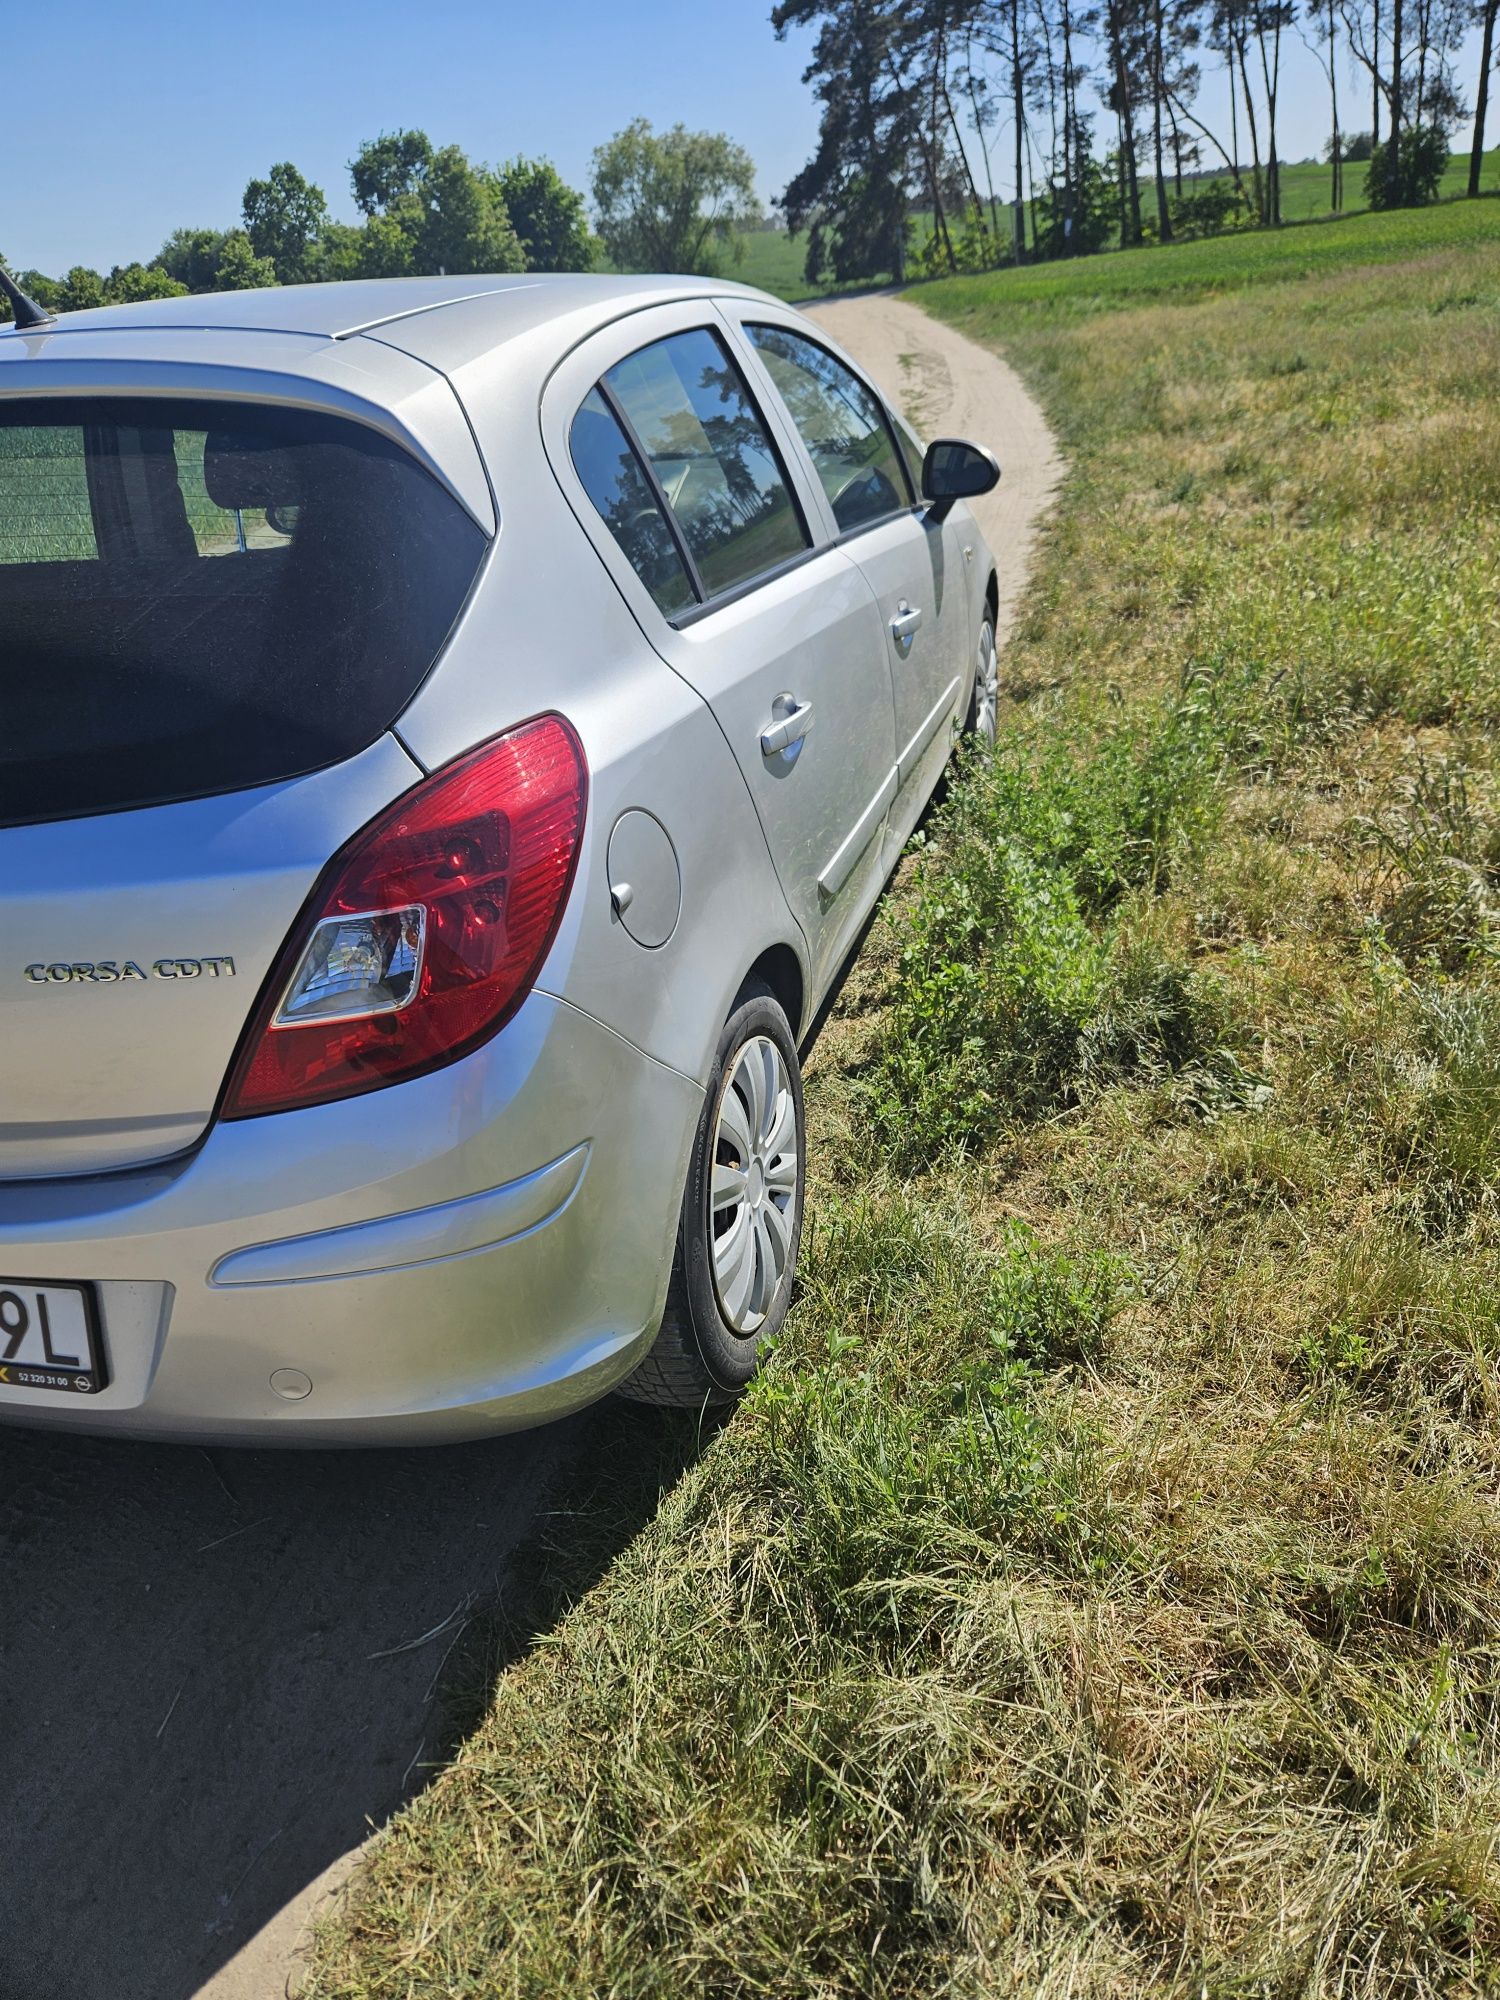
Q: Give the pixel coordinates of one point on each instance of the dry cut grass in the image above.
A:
(1098, 1595)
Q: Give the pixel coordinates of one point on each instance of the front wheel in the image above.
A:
(741, 1221)
(984, 704)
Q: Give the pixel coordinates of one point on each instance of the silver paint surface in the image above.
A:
(113, 1169)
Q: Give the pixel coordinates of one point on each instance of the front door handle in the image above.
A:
(904, 626)
(793, 720)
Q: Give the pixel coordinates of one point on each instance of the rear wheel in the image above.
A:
(741, 1221)
(984, 704)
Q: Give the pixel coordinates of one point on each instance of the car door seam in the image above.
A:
(841, 867)
(634, 613)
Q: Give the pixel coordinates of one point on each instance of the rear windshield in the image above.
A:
(196, 597)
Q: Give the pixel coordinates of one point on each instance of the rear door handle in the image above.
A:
(904, 624)
(791, 725)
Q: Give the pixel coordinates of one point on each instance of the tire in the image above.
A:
(726, 1301)
(983, 720)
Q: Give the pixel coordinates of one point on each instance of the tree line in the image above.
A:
(1101, 104)
(1098, 101)
(668, 201)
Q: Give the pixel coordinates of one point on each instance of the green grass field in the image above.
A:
(1306, 184)
(1230, 263)
(775, 259)
(1099, 1595)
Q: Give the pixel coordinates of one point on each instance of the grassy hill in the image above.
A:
(1239, 261)
(1099, 1595)
(1305, 184)
(776, 259)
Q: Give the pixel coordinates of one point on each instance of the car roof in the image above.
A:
(379, 350)
(508, 306)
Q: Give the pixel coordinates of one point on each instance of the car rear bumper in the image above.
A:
(474, 1251)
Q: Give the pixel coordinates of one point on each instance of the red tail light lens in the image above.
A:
(426, 932)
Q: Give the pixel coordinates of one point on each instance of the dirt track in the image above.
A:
(208, 1681)
(949, 387)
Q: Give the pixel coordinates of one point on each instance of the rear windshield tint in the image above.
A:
(197, 597)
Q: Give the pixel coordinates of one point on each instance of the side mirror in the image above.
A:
(954, 469)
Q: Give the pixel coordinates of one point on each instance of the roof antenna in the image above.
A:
(28, 314)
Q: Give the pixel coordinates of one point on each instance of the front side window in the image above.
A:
(197, 597)
(912, 454)
(842, 424)
(710, 458)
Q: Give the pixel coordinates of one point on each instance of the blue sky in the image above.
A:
(124, 120)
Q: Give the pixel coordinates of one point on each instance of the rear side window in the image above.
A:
(219, 530)
(711, 467)
(841, 422)
(44, 495)
(616, 482)
(198, 597)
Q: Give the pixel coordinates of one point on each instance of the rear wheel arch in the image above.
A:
(779, 969)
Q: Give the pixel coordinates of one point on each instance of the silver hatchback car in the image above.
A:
(451, 736)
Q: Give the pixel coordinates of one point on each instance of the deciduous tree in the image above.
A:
(672, 201)
(386, 168)
(81, 289)
(37, 285)
(1408, 169)
(464, 225)
(547, 215)
(429, 211)
(128, 284)
(284, 215)
(240, 270)
(193, 257)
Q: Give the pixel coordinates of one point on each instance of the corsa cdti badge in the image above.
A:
(109, 971)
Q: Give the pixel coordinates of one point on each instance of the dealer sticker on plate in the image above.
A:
(49, 1338)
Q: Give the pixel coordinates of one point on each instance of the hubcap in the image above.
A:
(753, 1199)
(987, 687)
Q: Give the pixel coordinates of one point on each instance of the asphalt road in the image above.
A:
(209, 1689)
(219, 1669)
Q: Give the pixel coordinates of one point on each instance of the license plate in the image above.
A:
(49, 1338)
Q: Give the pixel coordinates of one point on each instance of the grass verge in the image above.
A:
(1097, 1596)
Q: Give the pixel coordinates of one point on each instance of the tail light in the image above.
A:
(426, 932)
